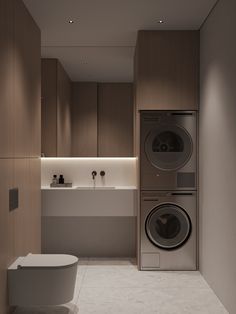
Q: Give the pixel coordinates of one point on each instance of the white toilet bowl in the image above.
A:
(42, 279)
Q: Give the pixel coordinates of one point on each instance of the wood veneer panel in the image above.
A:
(20, 135)
(84, 119)
(22, 214)
(6, 77)
(167, 70)
(27, 228)
(63, 113)
(7, 254)
(115, 120)
(49, 107)
(26, 83)
(35, 204)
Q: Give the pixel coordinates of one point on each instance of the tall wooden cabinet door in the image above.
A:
(23, 232)
(63, 113)
(167, 70)
(27, 83)
(115, 120)
(6, 229)
(27, 229)
(6, 77)
(49, 107)
(84, 119)
(35, 204)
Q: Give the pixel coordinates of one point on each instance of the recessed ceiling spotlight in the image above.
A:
(71, 21)
(160, 21)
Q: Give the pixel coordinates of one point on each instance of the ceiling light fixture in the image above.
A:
(160, 21)
(71, 21)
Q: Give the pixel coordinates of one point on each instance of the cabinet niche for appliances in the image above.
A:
(56, 110)
(166, 70)
(102, 123)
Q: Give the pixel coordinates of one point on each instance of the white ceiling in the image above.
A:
(99, 45)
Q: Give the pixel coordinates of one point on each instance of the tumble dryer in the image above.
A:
(168, 150)
(168, 230)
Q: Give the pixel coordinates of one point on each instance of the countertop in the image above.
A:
(90, 188)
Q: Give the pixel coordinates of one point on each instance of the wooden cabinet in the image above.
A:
(56, 109)
(35, 203)
(115, 120)
(49, 107)
(167, 70)
(27, 89)
(6, 229)
(27, 224)
(19, 82)
(6, 78)
(102, 123)
(84, 119)
(22, 214)
(63, 113)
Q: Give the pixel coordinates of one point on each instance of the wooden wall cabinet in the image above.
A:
(102, 123)
(115, 120)
(6, 77)
(84, 119)
(27, 85)
(167, 70)
(56, 109)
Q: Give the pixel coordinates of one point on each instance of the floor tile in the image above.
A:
(120, 277)
(111, 262)
(115, 286)
(146, 300)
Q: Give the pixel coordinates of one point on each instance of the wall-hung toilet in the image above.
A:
(42, 280)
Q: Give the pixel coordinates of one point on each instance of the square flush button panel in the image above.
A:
(13, 199)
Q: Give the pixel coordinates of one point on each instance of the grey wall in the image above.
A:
(218, 152)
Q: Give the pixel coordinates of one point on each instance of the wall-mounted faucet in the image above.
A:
(94, 173)
(102, 173)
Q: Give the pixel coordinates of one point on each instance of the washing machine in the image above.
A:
(168, 150)
(168, 230)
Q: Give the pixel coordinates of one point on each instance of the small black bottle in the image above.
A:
(61, 179)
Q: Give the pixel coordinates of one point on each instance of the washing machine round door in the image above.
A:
(168, 226)
(168, 147)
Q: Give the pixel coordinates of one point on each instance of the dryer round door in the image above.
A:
(168, 147)
(168, 226)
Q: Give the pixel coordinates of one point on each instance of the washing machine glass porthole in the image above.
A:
(168, 226)
(168, 147)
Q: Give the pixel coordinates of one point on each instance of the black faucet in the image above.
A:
(102, 173)
(94, 173)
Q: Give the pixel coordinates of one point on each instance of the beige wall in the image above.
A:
(218, 152)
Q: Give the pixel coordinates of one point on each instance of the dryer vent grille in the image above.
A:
(186, 180)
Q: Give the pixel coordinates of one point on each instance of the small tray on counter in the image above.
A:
(61, 185)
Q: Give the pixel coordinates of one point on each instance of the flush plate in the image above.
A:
(13, 199)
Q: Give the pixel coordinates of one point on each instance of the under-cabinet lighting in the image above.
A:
(88, 158)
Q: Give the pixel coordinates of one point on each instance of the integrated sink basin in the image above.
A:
(95, 188)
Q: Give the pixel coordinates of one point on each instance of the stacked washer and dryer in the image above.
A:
(168, 179)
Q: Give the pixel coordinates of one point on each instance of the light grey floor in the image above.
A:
(111, 286)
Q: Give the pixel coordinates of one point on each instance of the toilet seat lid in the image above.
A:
(47, 261)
